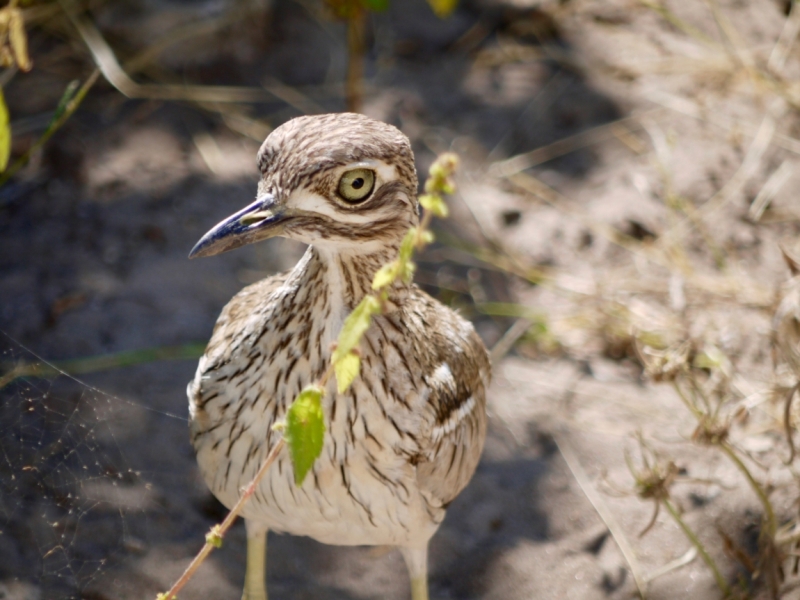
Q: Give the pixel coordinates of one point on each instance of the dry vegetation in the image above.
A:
(648, 320)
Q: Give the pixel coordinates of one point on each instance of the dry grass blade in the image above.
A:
(777, 59)
(571, 458)
(673, 565)
(686, 107)
(748, 167)
(734, 41)
(676, 21)
(787, 421)
(521, 162)
(539, 189)
(770, 189)
(107, 63)
(510, 337)
(181, 34)
(293, 97)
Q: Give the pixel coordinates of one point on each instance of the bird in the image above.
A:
(406, 437)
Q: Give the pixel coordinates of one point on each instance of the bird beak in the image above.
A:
(263, 219)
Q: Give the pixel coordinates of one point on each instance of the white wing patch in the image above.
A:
(439, 431)
(442, 377)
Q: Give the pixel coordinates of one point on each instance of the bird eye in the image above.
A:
(356, 185)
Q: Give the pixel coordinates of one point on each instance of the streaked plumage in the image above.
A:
(405, 439)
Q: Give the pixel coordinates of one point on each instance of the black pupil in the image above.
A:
(358, 183)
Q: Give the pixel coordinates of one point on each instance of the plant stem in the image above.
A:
(354, 87)
(92, 364)
(225, 525)
(54, 126)
(769, 514)
(721, 583)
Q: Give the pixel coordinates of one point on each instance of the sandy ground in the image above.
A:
(100, 497)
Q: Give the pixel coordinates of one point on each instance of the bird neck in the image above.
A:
(349, 275)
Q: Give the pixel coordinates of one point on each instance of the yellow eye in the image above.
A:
(356, 185)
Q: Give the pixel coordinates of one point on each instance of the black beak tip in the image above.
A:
(195, 252)
(198, 250)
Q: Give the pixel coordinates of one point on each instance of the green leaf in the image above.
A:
(434, 203)
(5, 134)
(356, 323)
(346, 369)
(376, 5)
(407, 245)
(385, 275)
(443, 8)
(305, 430)
(408, 271)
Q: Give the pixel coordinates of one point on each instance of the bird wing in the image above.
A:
(451, 447)
(227, 337)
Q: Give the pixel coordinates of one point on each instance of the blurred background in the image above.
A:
(626, 196)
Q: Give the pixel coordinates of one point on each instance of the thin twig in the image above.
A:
(220, 531)
(355, 60)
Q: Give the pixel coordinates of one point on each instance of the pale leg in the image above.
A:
(417, 563)
(255, 574)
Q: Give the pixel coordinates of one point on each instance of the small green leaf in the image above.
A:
(346, 369)
(408, 271)
(305, 430)
(385, 275)
(5, 134)
(443, 8)
(434, 203)
(407, 245)
(214, 537)
(66, 97)
(356, 323)
(376, 5)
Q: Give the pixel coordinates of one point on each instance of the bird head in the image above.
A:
(341, 181)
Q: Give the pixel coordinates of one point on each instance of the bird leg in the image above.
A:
(417, 563)
(255, 574)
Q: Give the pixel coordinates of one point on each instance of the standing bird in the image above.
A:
(405, 438)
